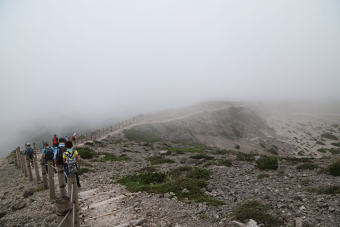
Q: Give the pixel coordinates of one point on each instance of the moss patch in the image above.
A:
(258, 212)
(334, 168)
(192, 179)
(202, 156)
(307, 166)
(159, 160)
(329, 136)
(331, 189)
(245, 157)
(267, 162)
(86, 152)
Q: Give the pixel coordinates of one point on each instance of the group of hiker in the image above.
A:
(60, 153)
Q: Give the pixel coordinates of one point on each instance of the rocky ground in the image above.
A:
(300, 192)
(285, 191)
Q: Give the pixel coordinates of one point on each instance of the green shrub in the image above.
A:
(224, 162)
(323, 150)
(86, 152)
(295, 160)
(202, 156)
(334, 151)
(159, 160)
(272, 151)
(330, 136)
(308, 165)
(245, 157)
(192, 179)
(336, 144)
(334, 168)
(148, 169)
(258, 212)
(320, 143)
(331, 189)
(267, 162)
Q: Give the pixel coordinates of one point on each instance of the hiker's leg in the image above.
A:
(78, 180)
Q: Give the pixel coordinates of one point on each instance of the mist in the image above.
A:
(83, 64)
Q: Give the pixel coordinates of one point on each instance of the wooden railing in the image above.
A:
(67, 201)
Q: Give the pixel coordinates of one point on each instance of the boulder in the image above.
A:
(250, 223)
(28, 192)
(164, 152)
(19, 205)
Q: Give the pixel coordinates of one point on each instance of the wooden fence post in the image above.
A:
(61, 180)
(28, 162)
(23, 162)
(51, 180)
(36, 168)
(63, 206)
(17, 150)
(43, 173)
(75, 201)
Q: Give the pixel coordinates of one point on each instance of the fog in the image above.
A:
(69, 64)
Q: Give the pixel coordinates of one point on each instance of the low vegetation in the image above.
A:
(137, 135)
(202, 156)
(336, 144)
(273, 151)
(333, 151)
(86, 152)
(224, 152)
(258, 212)
(112, 157)
(330, 189)
(334, 168)
(184, 182)
(182, 150)
(330, 136)
(245, 157)
(155, 160)
(267, 162)
(224, 162)
(295, 160)
(307, 166)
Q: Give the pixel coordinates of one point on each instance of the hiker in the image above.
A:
(58, 152)
(47, 155)
(71, 162)
(55, 140)
(29, 152)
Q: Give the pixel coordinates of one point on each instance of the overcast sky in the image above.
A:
(94, 59)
